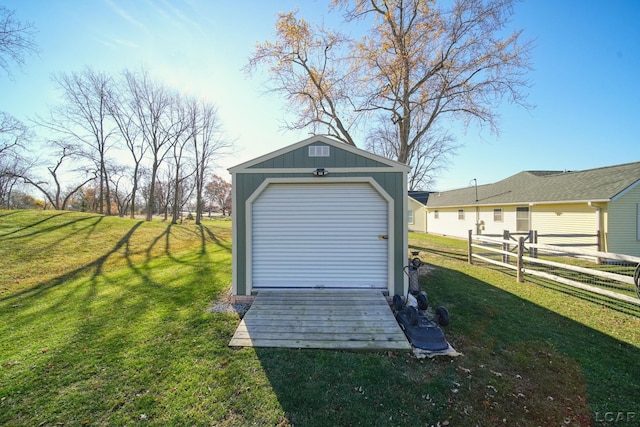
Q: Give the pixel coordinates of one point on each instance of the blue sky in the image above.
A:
(586, 85)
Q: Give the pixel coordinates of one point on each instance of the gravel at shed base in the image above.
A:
(224, 307)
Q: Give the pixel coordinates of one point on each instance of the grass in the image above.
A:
(104, 321)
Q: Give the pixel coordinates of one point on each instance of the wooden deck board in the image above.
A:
(329, 319)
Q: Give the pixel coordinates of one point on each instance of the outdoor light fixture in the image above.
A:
(320, 172)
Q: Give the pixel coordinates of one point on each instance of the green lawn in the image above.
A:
(104, 321)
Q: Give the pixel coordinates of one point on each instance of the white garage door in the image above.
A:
(320, 235)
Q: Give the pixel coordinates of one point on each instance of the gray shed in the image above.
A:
(319, 214)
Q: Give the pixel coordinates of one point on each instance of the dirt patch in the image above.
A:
(425, 270)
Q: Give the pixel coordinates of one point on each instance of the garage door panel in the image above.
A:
(325, 235)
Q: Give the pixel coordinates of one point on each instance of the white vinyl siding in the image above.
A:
(449, 224)
(566, 224)
(416, 216)
(320, 235)
(623, 223)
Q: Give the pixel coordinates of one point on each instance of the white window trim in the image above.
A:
(501, 213)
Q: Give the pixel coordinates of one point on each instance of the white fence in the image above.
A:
(610, 272)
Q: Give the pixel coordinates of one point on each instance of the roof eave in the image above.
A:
(546, 202)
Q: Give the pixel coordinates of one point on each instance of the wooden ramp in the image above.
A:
(313, 318)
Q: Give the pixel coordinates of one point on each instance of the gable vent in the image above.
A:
(318, 151)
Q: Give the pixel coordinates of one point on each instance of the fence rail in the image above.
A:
(610, 273)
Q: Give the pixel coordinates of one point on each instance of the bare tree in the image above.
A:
(13, 134)
(418, 65)
(208, 141)
(122, 107)
(182, 167)
(152, 103)
(53, 192)
(16, 39)
(11, 168)
(121, 192)
(83, 117)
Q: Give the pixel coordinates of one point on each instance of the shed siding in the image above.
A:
(623, 216)
(299, 158)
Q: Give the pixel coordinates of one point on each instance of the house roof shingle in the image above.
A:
(545, 186)
(420, 196)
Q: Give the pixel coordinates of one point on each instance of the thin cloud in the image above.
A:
(116, 43)
(126, 16)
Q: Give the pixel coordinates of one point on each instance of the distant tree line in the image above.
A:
(119, 145)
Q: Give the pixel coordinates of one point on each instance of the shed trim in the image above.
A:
(330, 170)
(338, 180)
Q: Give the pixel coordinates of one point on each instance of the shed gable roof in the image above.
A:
(341, 156)
(601, 184)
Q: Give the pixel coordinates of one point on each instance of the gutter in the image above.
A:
(555, 202)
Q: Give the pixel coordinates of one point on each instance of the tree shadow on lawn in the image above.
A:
(96, 347)
(521, 363)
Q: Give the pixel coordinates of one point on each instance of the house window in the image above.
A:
(410, 216)
(638, 227)
(436, 214)
(318, 151)
(497, 215)
(461, 214)
(522, 218)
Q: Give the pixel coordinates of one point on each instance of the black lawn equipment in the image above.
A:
(422, 330)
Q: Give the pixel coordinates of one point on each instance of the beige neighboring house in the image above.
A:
(416, 213)
(587, 209)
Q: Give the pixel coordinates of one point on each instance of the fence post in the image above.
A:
(505, 246)
(520, 263)
(598, 246)
(534, 254)
(469, 248)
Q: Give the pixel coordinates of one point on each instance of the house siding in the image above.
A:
(448, 224)
(565, 224)
(574, 224)
(622, 231)
(419, 216)
(488, 226)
